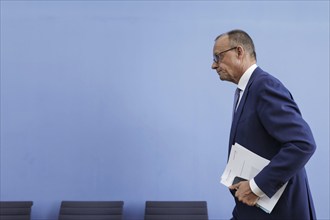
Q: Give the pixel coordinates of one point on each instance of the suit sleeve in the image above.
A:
(282, 120)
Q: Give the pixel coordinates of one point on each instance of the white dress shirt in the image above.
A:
(242, 85)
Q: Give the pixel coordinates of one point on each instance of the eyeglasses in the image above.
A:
(218, 57)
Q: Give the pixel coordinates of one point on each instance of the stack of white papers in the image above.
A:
(246, 164)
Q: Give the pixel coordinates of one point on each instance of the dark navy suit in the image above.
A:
(269, 123)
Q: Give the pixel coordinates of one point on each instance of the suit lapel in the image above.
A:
(240, 108)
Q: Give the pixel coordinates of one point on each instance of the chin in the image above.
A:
(222, 78)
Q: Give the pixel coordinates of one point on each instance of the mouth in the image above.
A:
(220, 74)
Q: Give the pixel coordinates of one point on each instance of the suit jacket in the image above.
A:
(269, 123)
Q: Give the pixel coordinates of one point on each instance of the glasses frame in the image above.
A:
(217, 58)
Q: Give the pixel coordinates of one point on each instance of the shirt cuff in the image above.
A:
(255, 189)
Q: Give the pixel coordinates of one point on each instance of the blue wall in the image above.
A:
(111, 100)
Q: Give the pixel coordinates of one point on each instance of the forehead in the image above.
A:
(221, 43)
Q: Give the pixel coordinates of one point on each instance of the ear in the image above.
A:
(240, 51)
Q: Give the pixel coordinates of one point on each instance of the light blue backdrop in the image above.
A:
(116, 100)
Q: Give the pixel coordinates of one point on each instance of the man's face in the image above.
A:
(226, 67)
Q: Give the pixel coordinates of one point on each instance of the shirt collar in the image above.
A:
(245, 77)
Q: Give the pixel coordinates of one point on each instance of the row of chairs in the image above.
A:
(110, 210)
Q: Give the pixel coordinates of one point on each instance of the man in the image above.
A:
(267, 121)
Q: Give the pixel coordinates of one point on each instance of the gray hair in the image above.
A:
(240, 37)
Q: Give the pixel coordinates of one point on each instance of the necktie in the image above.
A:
(236, 99)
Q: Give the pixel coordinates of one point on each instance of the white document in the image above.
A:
(246, 164)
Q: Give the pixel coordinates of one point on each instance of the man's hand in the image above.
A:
(244, 193)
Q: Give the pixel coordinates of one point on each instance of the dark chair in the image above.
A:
(91, 210)
(176, 210)
(15, 210)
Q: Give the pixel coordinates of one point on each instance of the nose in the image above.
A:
(214, 65)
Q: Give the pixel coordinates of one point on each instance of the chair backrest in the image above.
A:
(15, 210)
(91, 210)
(176, 210)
